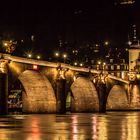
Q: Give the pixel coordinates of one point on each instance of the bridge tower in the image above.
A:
(134, 57)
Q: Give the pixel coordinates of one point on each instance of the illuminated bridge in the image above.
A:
(55, 87)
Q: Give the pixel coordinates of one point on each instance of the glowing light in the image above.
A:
(5, 44)
(35, 67)
(57, 54)
(75, 63)
(74, 78)
(127, 2)
(129, 42)
(99, 62)
(74, 128)
(106, 43)
(104, 63)
(81, 64)
(65, 55)
(94, 80)
(130, 122)
(30, 55)
(38, 57)
(94, 127)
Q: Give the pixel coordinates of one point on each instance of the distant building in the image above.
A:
(116, 67)
(134, 57)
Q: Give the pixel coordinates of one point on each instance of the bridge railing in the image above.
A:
(56, 65)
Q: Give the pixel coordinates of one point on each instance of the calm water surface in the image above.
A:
(96, 126)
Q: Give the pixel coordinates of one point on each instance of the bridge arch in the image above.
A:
(39, 96)
(117, 98)
(84, 96)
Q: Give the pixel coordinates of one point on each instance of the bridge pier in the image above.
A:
(134, 95)
(60, 95)
(102, 93)
(102, 97)
(3, 94)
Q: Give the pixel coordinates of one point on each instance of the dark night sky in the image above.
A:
(70, 20)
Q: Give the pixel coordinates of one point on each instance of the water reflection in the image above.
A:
(108, 126)
(74, 128)
(130, 127)
(35, 129)
(94, 127)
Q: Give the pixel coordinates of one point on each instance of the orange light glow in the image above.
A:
(35, 67)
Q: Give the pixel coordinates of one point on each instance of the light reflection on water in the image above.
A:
(108, 126)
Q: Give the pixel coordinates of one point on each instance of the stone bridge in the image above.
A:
(48, 87)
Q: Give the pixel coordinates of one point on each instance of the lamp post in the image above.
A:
(29, 55)
(56, 54)
(98, 66)
(101, 87)
(64, 57)
(106, 43)
(75, 63)
(104, 65)
(81, 64)
(38, 57)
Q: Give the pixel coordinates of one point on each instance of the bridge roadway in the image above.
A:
(43, 92)
(63, 65)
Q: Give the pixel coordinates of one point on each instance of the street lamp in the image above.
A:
(38, 57)
(101, 65)
(81, 64)
(106, 43)
(56, 54)
(104, 65)
(75, 63)
(64, 57)
(30, 55)
(99, 62)
(5, 44)
(129, 43)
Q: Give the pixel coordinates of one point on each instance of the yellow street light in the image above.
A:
(64, 56)
(81, 64)
(106, 43)
(57, 54)
(99, 62)
(30, 55)
(129, 42)
(5, 44)
(38, 57)
(75, 63)
(104, 63)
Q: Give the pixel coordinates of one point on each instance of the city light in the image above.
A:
(104, 63)
(29, 55)
(99, 62)
(5, 44)
(75, 63)
(57, 54)
(106, 43)
(35, 67)
(64, 55)
(129, 42)
(38, 57)
(81, 64)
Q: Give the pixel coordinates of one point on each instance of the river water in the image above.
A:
(71, 126)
